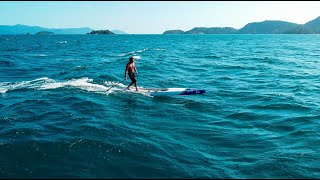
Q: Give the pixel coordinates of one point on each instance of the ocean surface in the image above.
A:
(259, 117)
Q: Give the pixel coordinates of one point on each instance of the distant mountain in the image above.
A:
(264, 27)
(23, 29)
(20, 29)
(101, 32)
(118, 32)
(212, 30)
(314, 25)
(174, 32)
(300, 29)
(204, 30)
(267, 27)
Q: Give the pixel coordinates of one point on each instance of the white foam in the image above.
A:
(112, 83)
(52, 85)
(34, 84)
(145, 49)
(129, 53)
(62, 42)
(136, 57)
(2, 90)
(39, 55)
(84, 84)
(133, 52)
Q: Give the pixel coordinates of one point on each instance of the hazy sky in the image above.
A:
(153, 17)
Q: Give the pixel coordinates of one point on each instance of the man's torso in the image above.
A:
(131, 67)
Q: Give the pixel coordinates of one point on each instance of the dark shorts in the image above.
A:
(132, 76)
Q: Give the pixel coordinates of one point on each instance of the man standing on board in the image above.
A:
(131, 67)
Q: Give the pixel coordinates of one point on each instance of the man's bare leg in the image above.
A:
(129, 86)
(135, 84)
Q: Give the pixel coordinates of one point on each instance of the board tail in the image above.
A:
(192, 91)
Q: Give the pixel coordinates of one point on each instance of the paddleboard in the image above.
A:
(167, 91)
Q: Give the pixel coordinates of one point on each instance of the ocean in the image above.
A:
(259, 117)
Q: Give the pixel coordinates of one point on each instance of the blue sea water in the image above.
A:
(259, 117)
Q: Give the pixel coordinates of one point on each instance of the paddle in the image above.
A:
(116, 84)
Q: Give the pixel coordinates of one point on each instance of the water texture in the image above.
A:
(259, 117)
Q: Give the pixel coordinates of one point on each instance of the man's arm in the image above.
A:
(125, 72)
(135, 69)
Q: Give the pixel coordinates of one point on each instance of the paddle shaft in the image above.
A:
(116, 84)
